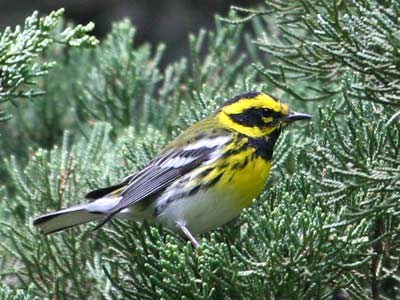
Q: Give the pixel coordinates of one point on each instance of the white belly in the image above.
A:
(200, 212)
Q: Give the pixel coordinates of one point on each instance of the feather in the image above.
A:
(64, 219)
(155, 178)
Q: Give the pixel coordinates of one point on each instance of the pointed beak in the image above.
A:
(295, 116)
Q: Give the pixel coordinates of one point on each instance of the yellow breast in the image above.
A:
(249, 182)
(244, 176)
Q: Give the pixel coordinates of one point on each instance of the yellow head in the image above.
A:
(256, 114)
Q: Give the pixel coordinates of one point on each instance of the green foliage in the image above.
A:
(53, 179)
(327, 225)
(355, 171)
(326, 41)
(19, 50)
(8, 294)
(26, 56)
(122, 81)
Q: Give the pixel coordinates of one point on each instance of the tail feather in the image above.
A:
(76, 215)
(65, 218)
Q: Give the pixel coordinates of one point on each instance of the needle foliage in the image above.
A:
(327, 225)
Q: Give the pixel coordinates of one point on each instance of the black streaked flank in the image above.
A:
(241, 96)
(213, 181)
(242, 164)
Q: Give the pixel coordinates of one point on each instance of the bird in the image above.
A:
(201, 180)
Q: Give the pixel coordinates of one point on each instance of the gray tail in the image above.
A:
(66, 218)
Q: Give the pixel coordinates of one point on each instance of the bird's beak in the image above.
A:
(295, 116)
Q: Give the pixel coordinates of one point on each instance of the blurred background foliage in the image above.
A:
(86, 113)
(167, 21)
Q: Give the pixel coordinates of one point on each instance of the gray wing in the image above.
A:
(161, 173)
(158, 175)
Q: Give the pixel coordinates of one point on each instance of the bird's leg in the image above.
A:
(189, 236)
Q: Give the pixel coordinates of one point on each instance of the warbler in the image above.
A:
(202, 180)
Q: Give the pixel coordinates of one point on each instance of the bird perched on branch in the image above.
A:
(201, 180)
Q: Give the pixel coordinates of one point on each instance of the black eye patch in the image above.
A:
(256, 117)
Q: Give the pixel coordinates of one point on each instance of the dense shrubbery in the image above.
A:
(327, 226)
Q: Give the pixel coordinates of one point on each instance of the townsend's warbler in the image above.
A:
(200, 181)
